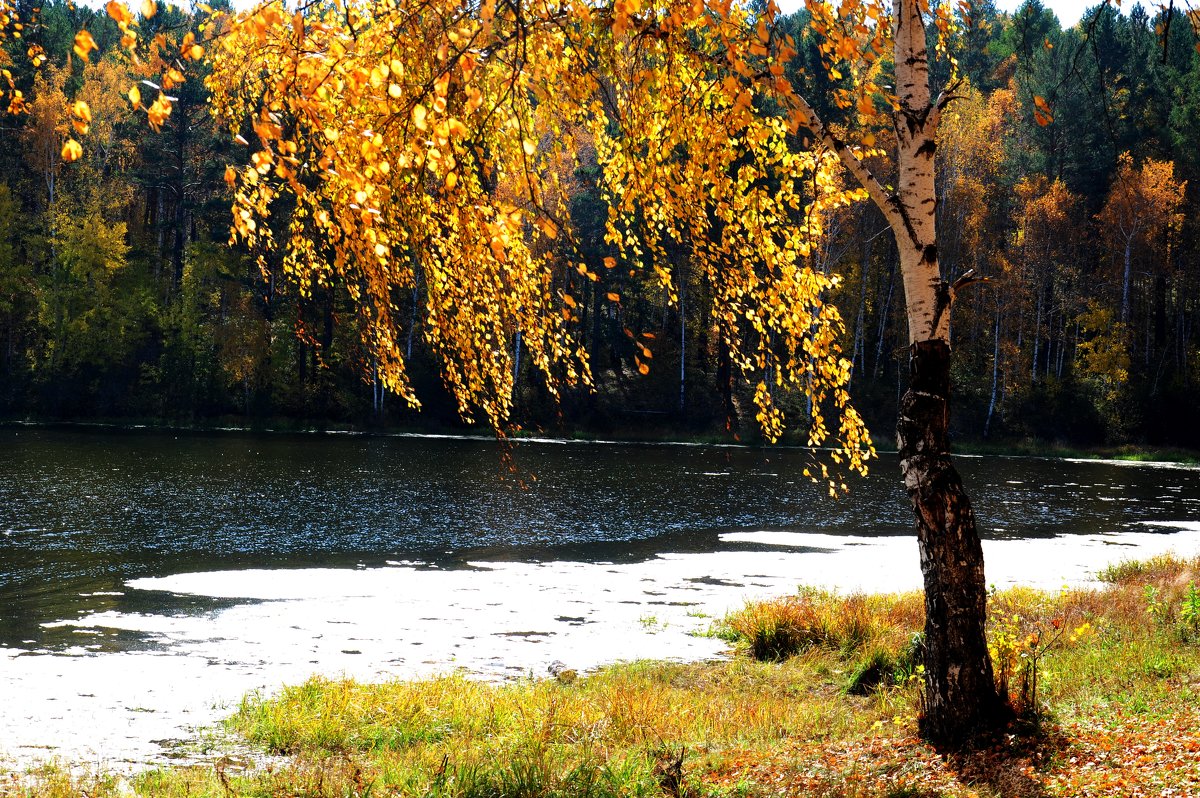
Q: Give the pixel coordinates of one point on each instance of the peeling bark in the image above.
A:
(960, 699)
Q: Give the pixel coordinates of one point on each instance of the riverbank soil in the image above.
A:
(820, 699)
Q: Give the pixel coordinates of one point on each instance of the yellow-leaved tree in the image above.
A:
(399, 131)
(391, 142)
(396, 141)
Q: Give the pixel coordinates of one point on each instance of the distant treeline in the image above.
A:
(1070, 179)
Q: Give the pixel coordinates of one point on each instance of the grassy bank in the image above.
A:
(820, 700)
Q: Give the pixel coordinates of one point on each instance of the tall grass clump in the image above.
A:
(872, 640)
(1161, 568)
(776, 629)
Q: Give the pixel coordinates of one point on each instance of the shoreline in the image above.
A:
(497, 621)
(1031, 449)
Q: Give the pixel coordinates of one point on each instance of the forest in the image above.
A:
(1067, 181)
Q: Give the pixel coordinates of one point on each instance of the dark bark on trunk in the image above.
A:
(960, 698)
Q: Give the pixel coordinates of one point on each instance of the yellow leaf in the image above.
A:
(230, 176)
(394, 91)
(194, 53)
(84, 44)
(149, 8)
(71, 151)
(119, 12)
(570, 300)
(613, 296)
(158, 112)
(135, 96)
(81, 110)
(610, 263)
(418, 116)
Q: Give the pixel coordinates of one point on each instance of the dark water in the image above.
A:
(83, 511)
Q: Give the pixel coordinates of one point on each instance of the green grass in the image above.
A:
(820, 699)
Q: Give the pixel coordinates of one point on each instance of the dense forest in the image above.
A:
(1068, 179)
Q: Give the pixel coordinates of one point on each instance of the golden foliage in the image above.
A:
(1144, 201)
(437, 148)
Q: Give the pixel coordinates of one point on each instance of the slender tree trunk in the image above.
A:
(883, 320)
(412, 326)
(1037, 337)
(516, 358)
(374, 387)
(1125, 279)
(960, 694)
(960, 699)
(858, 354)
(987, 425)
(594, 350)
(682, 339)
(158, 230)
(1062, 348)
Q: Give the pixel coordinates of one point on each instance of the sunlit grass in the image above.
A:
(819, 700)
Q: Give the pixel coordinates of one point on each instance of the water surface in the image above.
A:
(83, 512)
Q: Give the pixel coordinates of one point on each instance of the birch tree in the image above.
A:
(960, 697)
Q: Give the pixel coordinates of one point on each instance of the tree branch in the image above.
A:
(885, 201)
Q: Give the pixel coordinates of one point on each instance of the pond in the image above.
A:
(149, 578)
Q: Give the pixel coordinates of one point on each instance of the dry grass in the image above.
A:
(780, 628)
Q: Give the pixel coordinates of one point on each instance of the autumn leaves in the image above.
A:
(394, 145)
(161, 56)
(439, 149)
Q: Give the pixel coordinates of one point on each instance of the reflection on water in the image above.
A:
(83, 512)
